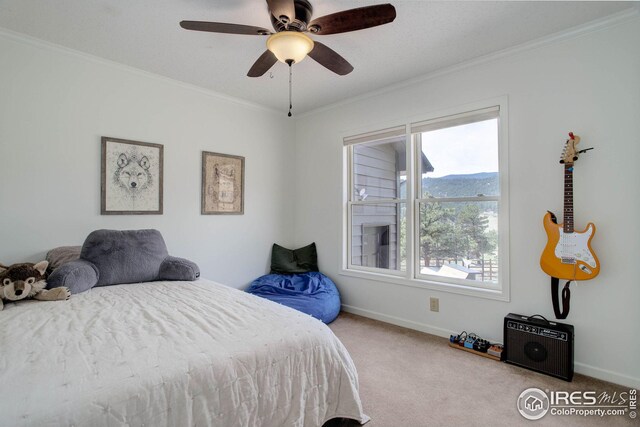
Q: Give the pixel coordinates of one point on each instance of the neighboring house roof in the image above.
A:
(453, 270)
(447, 271)
(401, 159)
(461, 268)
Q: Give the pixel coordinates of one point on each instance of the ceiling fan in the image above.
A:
(291, 19)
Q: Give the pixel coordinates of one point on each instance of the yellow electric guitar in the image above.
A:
(568, 254)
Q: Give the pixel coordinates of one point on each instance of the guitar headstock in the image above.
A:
(570, 153)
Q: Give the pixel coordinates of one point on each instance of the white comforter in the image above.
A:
(170, 354)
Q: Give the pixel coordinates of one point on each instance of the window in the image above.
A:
(426, 205)
(376, 208)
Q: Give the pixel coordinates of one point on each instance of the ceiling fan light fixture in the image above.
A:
(289, 46)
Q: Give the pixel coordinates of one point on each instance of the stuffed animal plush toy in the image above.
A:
(26, 280)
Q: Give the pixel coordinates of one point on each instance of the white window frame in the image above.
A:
(380, 136)
(411, 276)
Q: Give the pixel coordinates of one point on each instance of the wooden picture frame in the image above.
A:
(131, 177)
(222, 184)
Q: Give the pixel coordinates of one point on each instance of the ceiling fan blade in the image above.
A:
(353, 19)
(328, 58)
(280, 8)
(222, 27)
(262, 65)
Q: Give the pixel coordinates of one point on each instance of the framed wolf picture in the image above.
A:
(222, 184)
(131, 180)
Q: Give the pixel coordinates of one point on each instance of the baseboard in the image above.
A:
(606, 375)
(410, 324)
(580, 368)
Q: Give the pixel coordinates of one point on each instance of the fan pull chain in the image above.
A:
(290, 105)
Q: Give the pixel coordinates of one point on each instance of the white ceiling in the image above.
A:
(426, 36)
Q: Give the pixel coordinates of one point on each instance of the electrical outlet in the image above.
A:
(434, 304)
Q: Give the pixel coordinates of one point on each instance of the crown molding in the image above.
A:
(615, 19)
(43, 44)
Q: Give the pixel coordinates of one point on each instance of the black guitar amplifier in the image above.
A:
(539, 345)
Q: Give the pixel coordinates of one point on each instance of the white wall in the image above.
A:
(54, 107)
(589, 84)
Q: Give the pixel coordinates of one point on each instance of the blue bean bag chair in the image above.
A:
(312, 293)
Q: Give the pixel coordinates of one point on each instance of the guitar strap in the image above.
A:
(566, 296)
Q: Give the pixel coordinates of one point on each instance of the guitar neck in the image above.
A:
(567, 225)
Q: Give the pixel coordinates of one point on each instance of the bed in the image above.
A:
(171, 354)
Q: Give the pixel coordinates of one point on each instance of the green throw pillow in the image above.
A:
(290, 261)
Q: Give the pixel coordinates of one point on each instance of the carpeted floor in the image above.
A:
(412, 379)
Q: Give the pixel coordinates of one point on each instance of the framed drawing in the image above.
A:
(131, 178)
(222, 184)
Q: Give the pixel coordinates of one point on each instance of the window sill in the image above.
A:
(492, 294)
